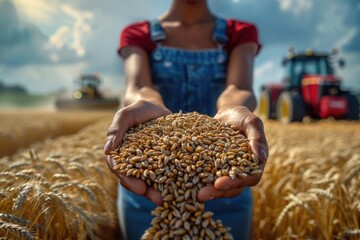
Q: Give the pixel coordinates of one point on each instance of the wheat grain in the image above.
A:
(76, 185)
(290, 206)
(18, 202)
(57, 163)
(178, 154)
(322, 192)
(354, 171)
(16, 230)
(18, 164)
(351, 233)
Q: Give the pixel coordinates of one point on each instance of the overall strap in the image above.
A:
(157, 33)
(220, 31)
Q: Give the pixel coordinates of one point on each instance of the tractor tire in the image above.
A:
(265, 110)
(290, 107)
(353, 107)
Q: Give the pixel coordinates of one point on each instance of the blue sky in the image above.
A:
(45, 44)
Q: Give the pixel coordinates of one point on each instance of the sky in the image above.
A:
(45, 45)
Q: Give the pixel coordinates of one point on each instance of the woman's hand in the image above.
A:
(252, 127)
(127, 117)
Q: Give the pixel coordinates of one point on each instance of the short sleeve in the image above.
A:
(240, 33)
(136, 34)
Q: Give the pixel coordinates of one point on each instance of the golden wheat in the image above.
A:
(317, 166)
(317, 163)
(47, 193)
(20, 129)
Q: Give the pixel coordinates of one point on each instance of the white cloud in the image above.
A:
(295, 6)
(79, 27)
(346, 38)
(60, 37)
(36, 11)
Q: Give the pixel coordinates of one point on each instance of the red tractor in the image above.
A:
(310, 88)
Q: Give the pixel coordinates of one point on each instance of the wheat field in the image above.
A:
(309, 189)
(20, 129)
(56, 185)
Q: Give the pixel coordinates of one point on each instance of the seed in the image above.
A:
(178, 154)
(190, 208)
(210, 233)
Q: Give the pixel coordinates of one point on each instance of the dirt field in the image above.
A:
(53, 179)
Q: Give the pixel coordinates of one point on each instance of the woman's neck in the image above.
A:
(188, 12)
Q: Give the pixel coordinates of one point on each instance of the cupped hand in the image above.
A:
(127, 117)
(250, 125)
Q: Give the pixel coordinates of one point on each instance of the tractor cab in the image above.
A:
(88, 87)
(299, 65)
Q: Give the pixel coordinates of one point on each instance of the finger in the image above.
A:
(210, 192)
(120, 124)
(113, 142)
(154, 196)
(253, 128)
(133, 184)
(108, 146)
(225, 183)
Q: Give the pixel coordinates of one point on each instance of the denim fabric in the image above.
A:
(134, 213)
(188, 81)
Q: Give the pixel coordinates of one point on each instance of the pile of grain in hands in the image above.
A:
(177, 155)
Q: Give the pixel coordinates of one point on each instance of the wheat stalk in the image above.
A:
(352, 174)
(57, 163)
(16, 230)
(33, 155)
(290, 206)
(322, 192)
(13, 219)
(351, 233)
(60, 176)
(18, 202)
(19, 164)
(77, 185)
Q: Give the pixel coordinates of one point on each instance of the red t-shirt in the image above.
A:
(137, 34)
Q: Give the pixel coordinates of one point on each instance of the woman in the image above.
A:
(189, 60)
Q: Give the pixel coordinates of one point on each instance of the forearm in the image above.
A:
(233, 96)
(147, 93)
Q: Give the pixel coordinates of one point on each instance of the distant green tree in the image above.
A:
(12, 88)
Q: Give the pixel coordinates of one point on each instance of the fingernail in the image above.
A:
(108, 144)
(225, 187)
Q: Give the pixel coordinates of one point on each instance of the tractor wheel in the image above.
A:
(353, 107)
(290, 107)
(265, 105)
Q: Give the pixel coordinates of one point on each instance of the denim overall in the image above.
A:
(188, 80)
